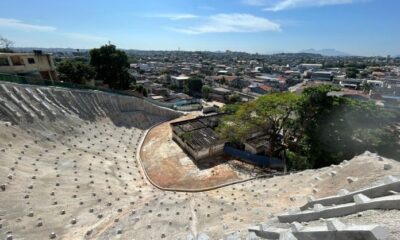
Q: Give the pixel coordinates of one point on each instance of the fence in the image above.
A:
(161, 104)
(184, 105)
(44, 82)
(258, 160)
(191, 107)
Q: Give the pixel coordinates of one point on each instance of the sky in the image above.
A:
(359, 27)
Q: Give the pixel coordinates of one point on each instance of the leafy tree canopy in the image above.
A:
(270, 114)
(111, 66)
(333, 129)
(205, 90)
(75, 71)
(351, 72)
(314, 129)
(195, 84)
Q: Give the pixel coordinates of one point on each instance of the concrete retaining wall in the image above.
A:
(362, 203)
(333, 230)
(28, 104)
(389, 184)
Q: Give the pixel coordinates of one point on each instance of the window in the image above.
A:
(4, 62)
(16, 60)
(31, 60)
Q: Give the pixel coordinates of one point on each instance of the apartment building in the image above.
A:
(34, 64)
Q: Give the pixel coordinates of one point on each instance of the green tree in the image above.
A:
(318, 130)
(364, 74)
(75, 71)
(205, 90)
(231, 108)
(195, 84)
(234, 98)
(132, 59)
(140, 89)
(270, 114)
(172, 87)
(111, 66)
(223, 80)
(186, 89)
(351, 72)
(335, 128)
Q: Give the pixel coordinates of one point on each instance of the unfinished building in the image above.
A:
(198, 136)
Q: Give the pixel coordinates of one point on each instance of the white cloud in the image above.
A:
(19, 25)
(221, 23)
(85, 37)
(289, 4)
(175, 16)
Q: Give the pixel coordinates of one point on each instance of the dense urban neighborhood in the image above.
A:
(170, 77)
(200, 120)
(232, 83)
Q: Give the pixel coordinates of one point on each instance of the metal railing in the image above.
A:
(43, 82)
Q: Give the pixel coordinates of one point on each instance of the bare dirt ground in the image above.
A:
(170, 167)
(79, 178)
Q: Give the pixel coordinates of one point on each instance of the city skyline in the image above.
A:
(357, 27)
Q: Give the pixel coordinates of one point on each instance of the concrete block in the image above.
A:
(252, 236)
(390, 179)
(390, 183)
(287, 236)
(333, 230)
(360, 199)
(310, 199)
(296, 227)
(362, 204)
(318, 208)
(380, 232)
(343, 192)
(356, 232)
(335, 225)
(267, 232)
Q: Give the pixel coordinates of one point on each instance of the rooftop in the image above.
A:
(199, 132)
(181, 77)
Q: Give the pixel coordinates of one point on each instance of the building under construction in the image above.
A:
(198, 137)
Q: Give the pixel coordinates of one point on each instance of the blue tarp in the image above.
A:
(187, 102)
(258, 160)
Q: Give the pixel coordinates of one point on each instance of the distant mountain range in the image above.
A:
(326, 52)
(329, 52)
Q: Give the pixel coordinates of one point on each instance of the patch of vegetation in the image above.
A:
(314, 129)
(75, 71)
(111, 66)
(186, 136)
